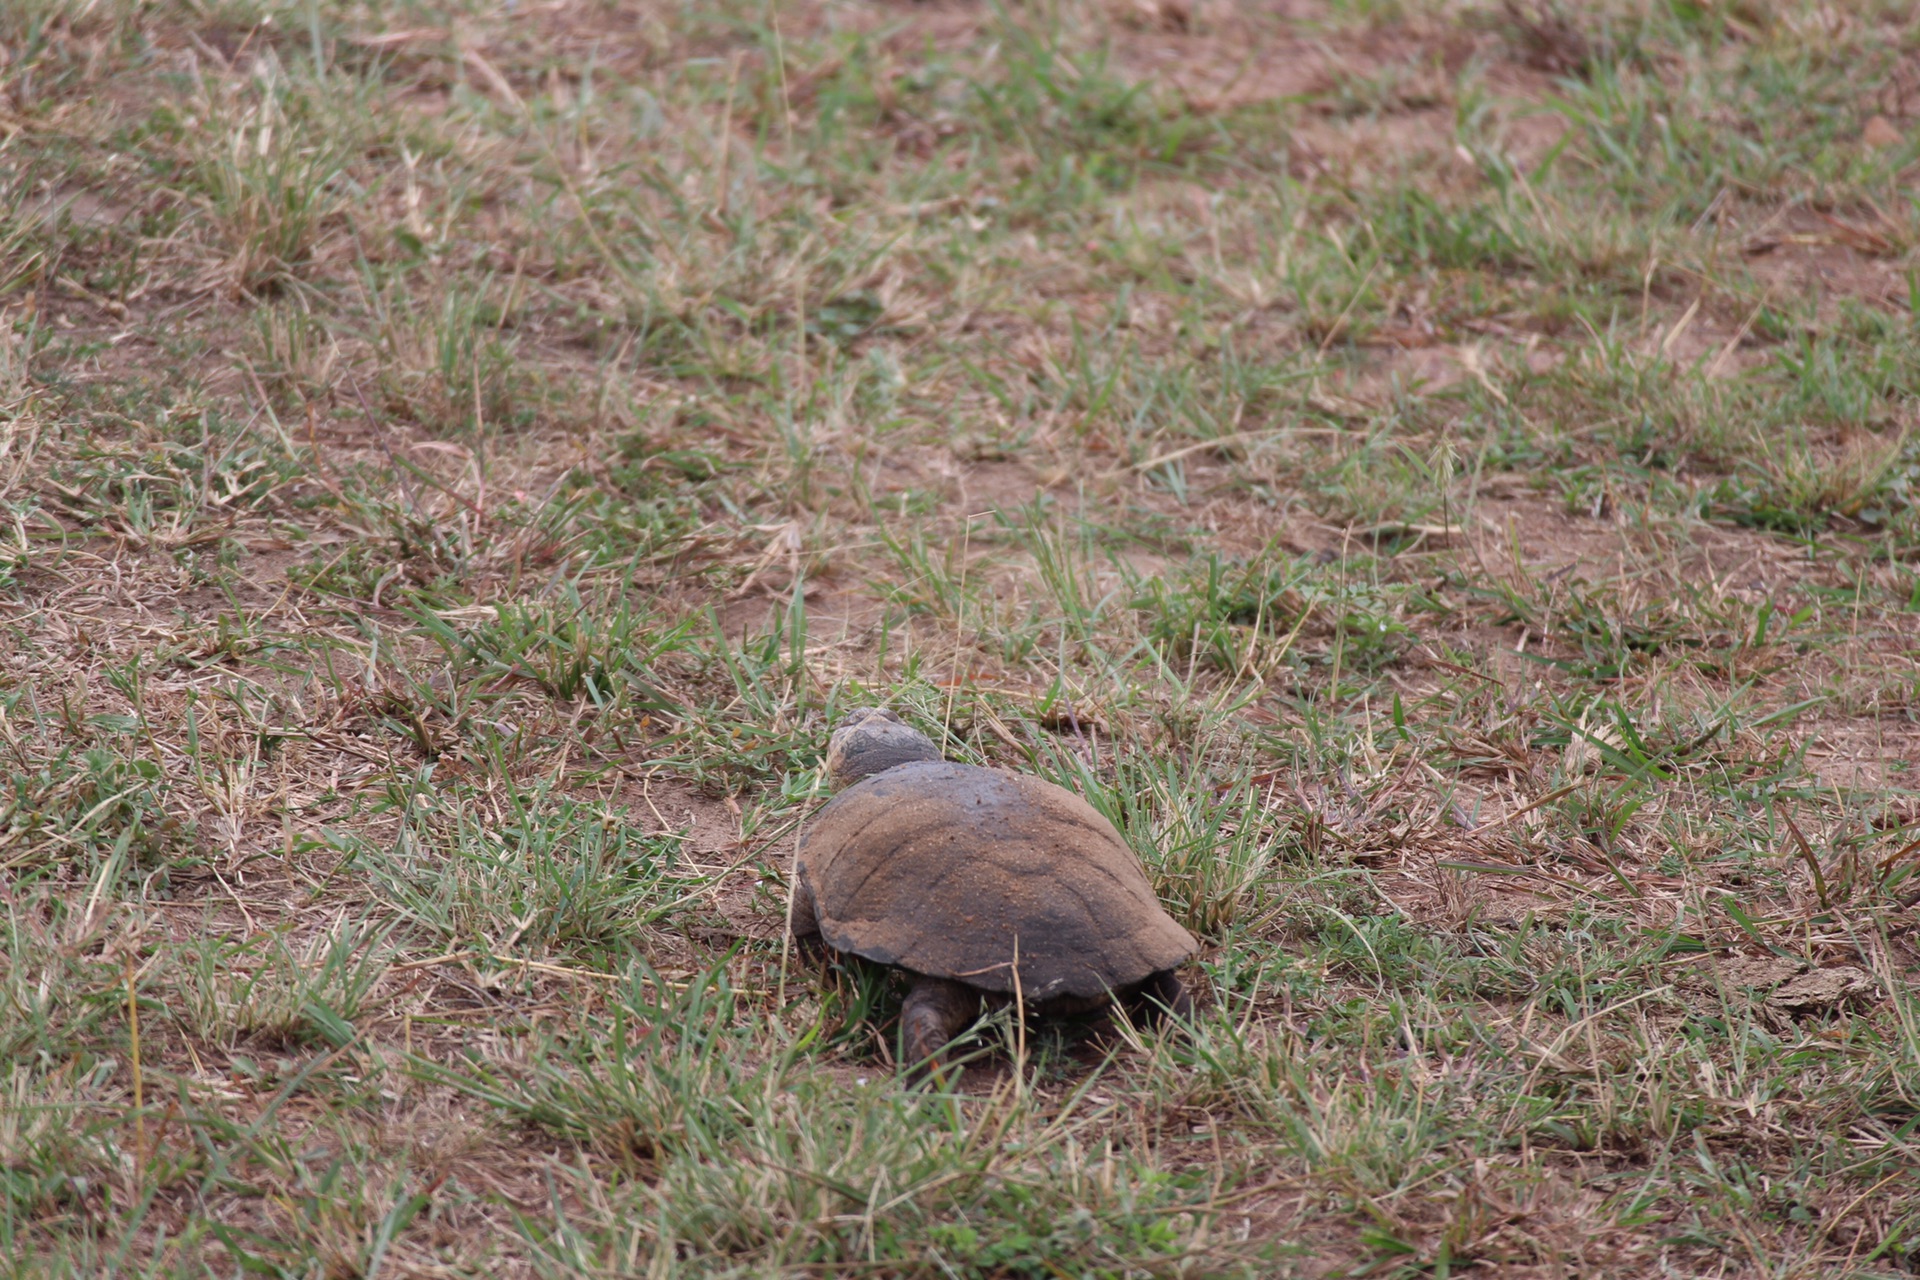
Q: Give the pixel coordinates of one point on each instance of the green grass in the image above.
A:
(1455, 515)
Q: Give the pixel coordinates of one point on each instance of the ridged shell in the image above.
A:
(941, 867)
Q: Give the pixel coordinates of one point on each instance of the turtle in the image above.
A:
(982, 884)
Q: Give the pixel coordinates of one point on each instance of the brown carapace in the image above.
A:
(983, 884)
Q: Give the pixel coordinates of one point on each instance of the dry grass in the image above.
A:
(1441, 476)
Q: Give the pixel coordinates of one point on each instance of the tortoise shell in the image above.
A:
(949, 869)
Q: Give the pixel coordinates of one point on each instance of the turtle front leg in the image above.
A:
(935, 1012)
(803, 920)
(1158, 996)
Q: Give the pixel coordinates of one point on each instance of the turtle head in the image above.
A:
(872, 739)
